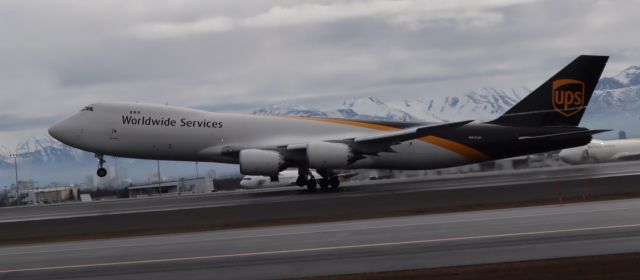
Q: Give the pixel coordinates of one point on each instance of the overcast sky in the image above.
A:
(56, 56)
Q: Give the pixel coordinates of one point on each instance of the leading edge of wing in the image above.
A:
(386, 139)
(407, 134)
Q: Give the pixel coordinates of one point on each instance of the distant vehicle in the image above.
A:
(545, 120)
(285, 178)
(603, 151)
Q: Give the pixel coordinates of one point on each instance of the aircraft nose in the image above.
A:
(61, 131)
(54, 131)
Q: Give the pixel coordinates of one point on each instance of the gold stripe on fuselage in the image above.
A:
(464, 150)
(456, 147)
(353, 123)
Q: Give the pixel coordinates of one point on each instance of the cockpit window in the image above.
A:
(88, 108)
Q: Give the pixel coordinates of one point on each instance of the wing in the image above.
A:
(382, 142)
(406, 134)
(372, 144)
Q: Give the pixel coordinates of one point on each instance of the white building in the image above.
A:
(44, 195)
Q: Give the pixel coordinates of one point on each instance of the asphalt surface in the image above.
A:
(489, 236)
(261, 196)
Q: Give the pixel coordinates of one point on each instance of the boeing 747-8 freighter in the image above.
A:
(601, 151)
(547, 119)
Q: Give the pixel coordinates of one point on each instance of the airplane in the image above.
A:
(285, 178)
(545, 120)
(599, 151)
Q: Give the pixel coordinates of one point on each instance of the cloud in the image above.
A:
(413, 14)
(155, 30)
(241, 55)
(321, 13)
(22, 122)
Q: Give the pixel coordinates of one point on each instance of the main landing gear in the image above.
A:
(327, 181)
(101, 170)
(331, 181)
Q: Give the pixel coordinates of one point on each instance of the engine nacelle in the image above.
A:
(261, 162)
(326, 155)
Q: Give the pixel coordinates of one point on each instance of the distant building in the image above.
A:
(90, 181)
(30, 184)
(44, 195)
(181, 186)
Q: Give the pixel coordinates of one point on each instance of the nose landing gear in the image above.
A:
(101, 170)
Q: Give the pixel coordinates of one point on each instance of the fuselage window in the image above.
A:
(88, 108)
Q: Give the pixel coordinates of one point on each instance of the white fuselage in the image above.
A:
(150, 131)
(603, 151)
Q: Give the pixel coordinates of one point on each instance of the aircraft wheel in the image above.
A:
(102, 172)
(311, 184)
(334, 182)
(301, 181)
(324, 183)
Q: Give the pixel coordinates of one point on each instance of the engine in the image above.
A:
(326, 155)
(261, 162)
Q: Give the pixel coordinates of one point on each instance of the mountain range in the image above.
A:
(614, 105)
(484, 104)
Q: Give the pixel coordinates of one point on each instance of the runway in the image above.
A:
(288, 194)
(386, 244)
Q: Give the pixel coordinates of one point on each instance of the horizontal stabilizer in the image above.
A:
(562, 135)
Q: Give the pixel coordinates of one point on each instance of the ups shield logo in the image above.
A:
(567, 96)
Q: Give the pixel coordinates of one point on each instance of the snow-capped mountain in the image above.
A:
(46, 160)
(618, 94)
(48, 150)
(615, 105)
(44, 150)
(627, 78)
(290, 110)
(5, 161)
(484, 104)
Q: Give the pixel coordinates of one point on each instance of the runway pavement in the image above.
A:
(373, 245)
(261, 196)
